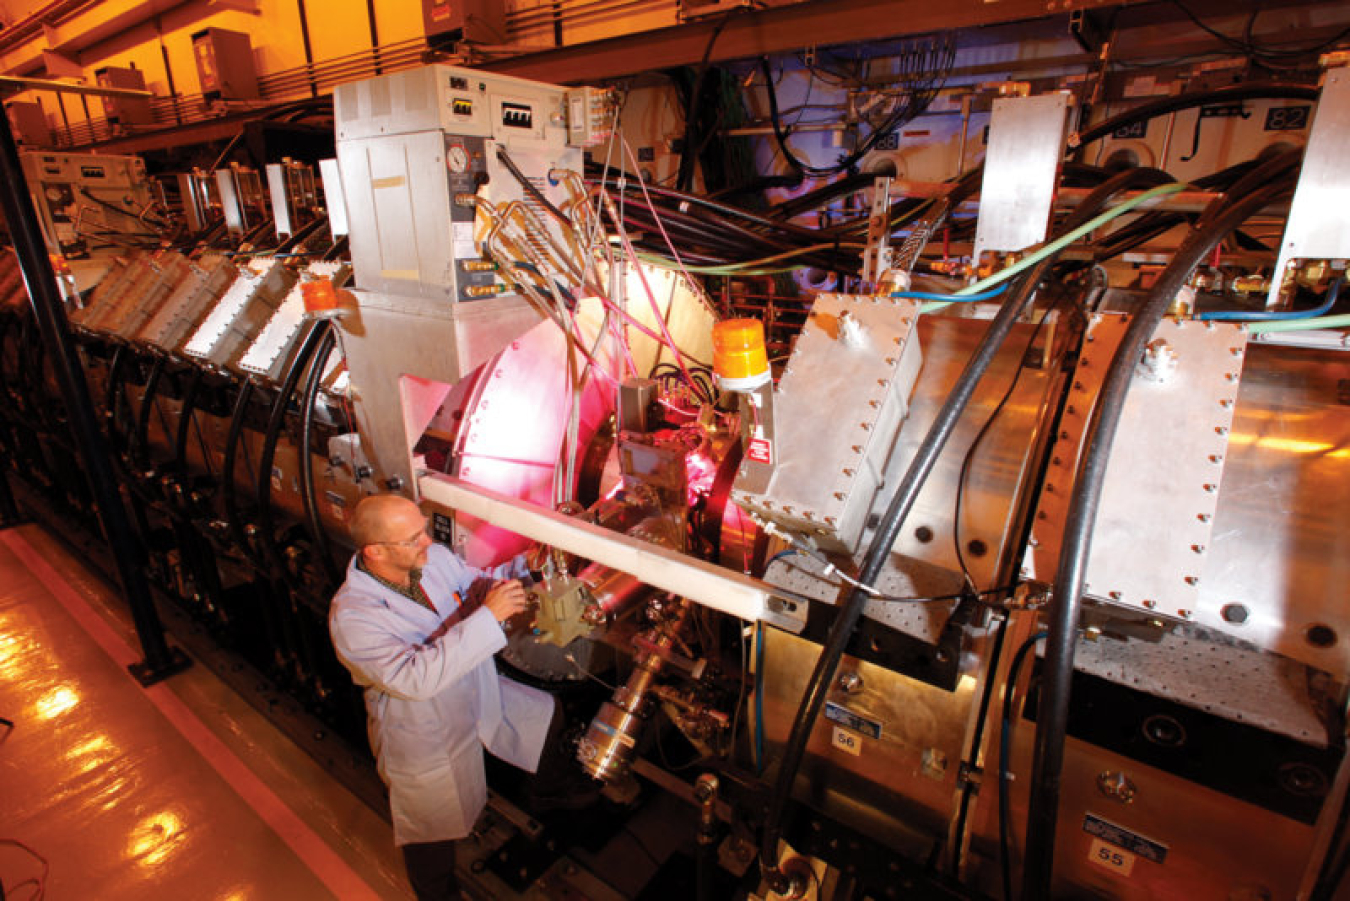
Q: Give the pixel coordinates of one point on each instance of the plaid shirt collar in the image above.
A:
(413, 591)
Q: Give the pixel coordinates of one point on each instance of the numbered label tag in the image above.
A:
(1117, 860)
(847, 741)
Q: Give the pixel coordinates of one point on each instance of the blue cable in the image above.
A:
(780, 555)
(952, 298)
(1269, 315)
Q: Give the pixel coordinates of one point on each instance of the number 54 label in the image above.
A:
(1117, 860)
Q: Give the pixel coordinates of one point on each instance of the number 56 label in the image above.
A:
(1115, 859)
(847, 741)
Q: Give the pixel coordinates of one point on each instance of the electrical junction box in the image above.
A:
(836, 413)
(225, 65)
(124, 110)
(86, 201)
(414, 150)
(29, 123)
(475, 21)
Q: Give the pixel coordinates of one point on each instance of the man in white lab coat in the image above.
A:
(433, 696)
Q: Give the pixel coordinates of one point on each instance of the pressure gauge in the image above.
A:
(457, 158)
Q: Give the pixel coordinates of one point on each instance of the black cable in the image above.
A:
(530, 187)
(906, 493)
(1248, 47)
(38, 882)
(1005, 762)
(1136, 178)
(138, 448)
(1222, 216)
(685, 174)
(186, 416)
(969, 457)
(1230, 94)
(314, 336)
(883, 540)
(919, 95)
(308, 489)
(228, 489)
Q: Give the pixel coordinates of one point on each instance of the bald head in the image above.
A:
(382, 517)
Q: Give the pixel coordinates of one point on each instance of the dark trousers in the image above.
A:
(431, 870)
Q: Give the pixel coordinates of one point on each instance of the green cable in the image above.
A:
(733, 268)
(1057, 245)
(1298, 325)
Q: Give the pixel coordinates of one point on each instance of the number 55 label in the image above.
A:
(1117, 860)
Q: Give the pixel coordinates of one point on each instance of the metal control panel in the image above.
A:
(417, 152)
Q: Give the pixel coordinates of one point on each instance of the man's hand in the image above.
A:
(506, 599)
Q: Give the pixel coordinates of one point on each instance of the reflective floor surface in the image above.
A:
(112, 791)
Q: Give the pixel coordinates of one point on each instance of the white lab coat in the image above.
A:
(432, 708)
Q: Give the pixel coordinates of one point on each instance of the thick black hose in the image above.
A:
(1249, 91)
(138, 450)
(530, 188)
(313, 337)
(846, 620)
(1052, 721)
(228, 489)
(907, 492)
(1005, 761)
(308, 489)
(186, 415)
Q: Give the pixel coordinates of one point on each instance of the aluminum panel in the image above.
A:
(1317, 227)
(1021, 166)
(1155, 520)
(333, 201)
(268, 354)
(242, 312)
(399, 199)
(187, 305)
(837, 410)
(1279, 562)
(108, 291)
(170, 270)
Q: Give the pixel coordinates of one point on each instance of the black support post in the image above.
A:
(9, 511)
(160, 660)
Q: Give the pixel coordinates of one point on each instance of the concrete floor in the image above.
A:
(113, 791)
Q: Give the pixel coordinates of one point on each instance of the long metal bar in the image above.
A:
(10, 84)
(712, 586)
(160, 660)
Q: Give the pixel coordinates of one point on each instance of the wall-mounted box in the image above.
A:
(121, 110)
(225, 64)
